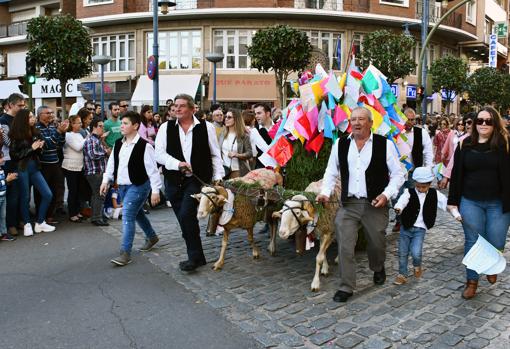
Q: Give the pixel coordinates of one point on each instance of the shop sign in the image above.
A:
(395, 89)
(493, 50)
(51, 89)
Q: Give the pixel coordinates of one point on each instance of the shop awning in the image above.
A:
(108, 78)
(9, 86)
(244, 87)
(169, 87)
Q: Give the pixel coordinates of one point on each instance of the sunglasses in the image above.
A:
(480, 122)
(469, 122)
(228, 117)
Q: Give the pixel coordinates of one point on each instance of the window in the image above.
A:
(357, 46)
(121, 48)
(330, 43)
(430, 55)
(96, 2)
(402, 3)
(471, 12)
(233, 43)
(178, 49)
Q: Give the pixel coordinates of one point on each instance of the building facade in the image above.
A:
(123, 29)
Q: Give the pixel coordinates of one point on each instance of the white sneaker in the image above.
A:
(43, 227)
(27, 230)
(168, 204)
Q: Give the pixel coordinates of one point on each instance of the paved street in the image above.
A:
(270, 298)
(60, 291)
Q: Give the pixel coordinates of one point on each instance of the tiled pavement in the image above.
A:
(270, 298)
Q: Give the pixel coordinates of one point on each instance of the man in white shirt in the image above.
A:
(135, 184)
(264, 124)
(188, 149)
(418, 140)
(371, 174)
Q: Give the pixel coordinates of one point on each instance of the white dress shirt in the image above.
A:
(230, 145)
(186, 140)
(404, 200)
(149, 161)
(428, 155)
(359, 160)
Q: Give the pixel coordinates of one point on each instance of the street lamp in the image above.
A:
(102, 61)
(155, 47)
(214, 57)
(422, 64)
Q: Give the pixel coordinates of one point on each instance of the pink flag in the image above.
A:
(313, 118)
(339, 116)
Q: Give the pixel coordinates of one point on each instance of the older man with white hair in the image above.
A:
(370, 174)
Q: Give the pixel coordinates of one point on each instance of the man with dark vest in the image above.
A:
(189, 152)
(132, 165)
(370, 175)
(418, 207)
(418, 140)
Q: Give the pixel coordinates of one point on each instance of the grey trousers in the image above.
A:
(96, 201)
(356, 212)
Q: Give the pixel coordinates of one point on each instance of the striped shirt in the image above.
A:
(53, 140)
(94, 156)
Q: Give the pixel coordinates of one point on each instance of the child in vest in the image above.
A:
(113, 203)
(417, 208)
(4, 181)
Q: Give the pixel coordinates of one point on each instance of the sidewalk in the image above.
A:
(270, 298)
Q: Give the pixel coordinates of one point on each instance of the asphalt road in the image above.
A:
(59, 290)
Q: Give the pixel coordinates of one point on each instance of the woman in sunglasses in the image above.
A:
(452, 140)
(480, 188)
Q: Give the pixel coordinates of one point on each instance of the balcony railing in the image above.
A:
(14, 29)
(333, 5)
(435, 13)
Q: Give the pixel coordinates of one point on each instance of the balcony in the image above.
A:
(14, 29)
(435, 13)
(357, 5)
(332, 5)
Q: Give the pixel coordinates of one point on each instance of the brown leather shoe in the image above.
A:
(492, 278)
(470, 289)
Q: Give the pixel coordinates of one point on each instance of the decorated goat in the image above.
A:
(298, 212)
(237, 210)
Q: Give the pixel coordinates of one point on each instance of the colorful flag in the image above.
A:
(281, 151)
(316, 143)
(329, 127)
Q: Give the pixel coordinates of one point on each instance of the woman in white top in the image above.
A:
(73, 166)
(235, 146)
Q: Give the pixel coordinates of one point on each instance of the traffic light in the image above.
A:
(30, 70)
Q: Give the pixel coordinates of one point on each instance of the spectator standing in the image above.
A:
(452, 140)
(54, 139)
(16, 102)
(73, 166)
(218, 121)
(440, 139)
(26, 147)
(135, 183)
(235, 146)
(112, 125)
(97, 112)
(480, 189)
(5, 180)
(123, 107)
(147, 130)
(95, 155)
(264, 124)
(86, 117)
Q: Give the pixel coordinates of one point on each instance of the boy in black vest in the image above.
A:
(418, 208)
(132, 165)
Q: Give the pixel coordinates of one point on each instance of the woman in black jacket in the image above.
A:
(26, 145)
(480, 187)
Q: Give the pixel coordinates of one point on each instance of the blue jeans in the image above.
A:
(411, 240)
(487, 219)
(134, 196)
(3, 205)
(32, 175)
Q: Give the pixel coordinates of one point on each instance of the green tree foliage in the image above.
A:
(281, 49)
(389, 53)
(486, 86)
(304, 167)
(61, 46)
(449, 73)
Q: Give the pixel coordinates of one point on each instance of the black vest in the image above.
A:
(412, 210)
(201, 161)
(417, 151)
(137, 174)
(376, 175)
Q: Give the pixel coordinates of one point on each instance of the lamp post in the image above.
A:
(422, 66)
(214, 57)
(102, 61)
(155, 47)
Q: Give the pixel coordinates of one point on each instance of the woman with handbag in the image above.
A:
(235, 146)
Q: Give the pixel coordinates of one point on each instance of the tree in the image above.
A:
(388, 52)
(485, 86)
(282, 49)
(449, 73)
(61, 46)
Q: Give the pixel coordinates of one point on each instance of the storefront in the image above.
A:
(48, 93)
